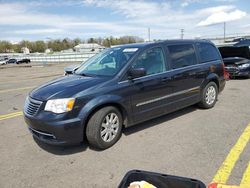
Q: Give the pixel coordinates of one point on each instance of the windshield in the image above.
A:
(107, 63)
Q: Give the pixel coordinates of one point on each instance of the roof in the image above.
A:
(144, 44)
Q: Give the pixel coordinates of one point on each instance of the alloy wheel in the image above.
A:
(109, 127)
(210, 95)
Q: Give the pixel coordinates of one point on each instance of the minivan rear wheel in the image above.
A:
(104, 127)
(209, 95)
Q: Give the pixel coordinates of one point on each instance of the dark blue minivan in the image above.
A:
(123, 86)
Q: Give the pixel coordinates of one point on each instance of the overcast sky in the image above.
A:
(45, 19)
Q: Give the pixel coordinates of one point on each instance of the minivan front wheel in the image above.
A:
(104, 127)
(209, 95)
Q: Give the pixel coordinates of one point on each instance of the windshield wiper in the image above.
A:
(84, 74)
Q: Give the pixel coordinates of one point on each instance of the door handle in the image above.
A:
(192, 74)
(178, 76)
(165, 79)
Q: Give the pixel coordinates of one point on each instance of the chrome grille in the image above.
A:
(32, 106)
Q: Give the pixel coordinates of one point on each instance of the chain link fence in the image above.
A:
(52, 58)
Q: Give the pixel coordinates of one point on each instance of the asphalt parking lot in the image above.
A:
(203, 144)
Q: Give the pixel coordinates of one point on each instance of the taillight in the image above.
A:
(225, 73)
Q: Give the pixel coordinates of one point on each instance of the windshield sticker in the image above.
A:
(130, 49)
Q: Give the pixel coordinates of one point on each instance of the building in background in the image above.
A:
(25, 50)
(89, 47)
(67, 51)
(48, 50)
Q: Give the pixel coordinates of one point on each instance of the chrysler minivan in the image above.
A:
(123, 86)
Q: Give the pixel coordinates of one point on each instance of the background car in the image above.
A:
(243, 42)
(23, 61)
(11, 61)
(237, 66)
(236, 60)
(2, 62)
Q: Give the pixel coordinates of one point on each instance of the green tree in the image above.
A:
(92, 40)
(77, 41)
(39, 46)
(106, 42)
(5, 46)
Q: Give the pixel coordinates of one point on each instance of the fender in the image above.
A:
(99, 101)
(211, 77)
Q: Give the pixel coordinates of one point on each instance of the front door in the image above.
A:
(149, 93)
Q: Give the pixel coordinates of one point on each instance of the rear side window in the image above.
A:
(182, 55)
(207, 52)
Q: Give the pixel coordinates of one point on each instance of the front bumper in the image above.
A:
(59, 132)
(236, 72)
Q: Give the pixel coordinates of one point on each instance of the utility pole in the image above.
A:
(149, 34)
(224, 31)
(182, 33)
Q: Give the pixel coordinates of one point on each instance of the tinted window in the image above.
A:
(207, 52)
(182, 55)
(152, 61)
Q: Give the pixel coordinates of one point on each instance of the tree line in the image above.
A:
(58, 45)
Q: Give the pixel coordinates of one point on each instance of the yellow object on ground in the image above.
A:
(141, 184)
(218, 185)
(227, 166)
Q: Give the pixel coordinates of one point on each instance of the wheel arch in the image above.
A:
(212, 78)
(91, 108)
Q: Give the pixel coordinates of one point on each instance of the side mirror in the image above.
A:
(68, 71)
(75, 70)
(136, 73)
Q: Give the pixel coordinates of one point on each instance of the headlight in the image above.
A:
(60, 105)
(244, 66)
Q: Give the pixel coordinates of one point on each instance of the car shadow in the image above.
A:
(159, 120)
(62, 150)
(81, 147)
(239, 78)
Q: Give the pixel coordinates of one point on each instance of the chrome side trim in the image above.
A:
(167, 96)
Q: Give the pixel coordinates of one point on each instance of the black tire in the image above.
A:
(204, 103)
(94, 128)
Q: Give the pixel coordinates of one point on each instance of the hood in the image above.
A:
(230, 51)
(65, 87)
